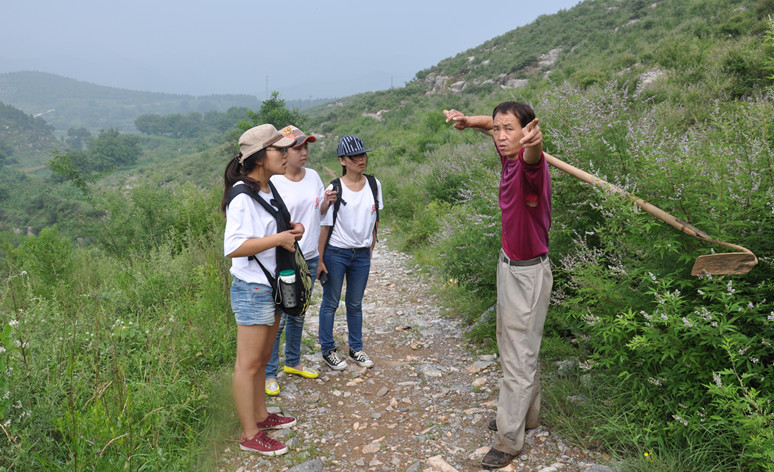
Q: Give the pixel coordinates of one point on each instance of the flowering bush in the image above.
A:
(691, 354)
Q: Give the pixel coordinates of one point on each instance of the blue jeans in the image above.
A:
(294, 329)
(355, 264)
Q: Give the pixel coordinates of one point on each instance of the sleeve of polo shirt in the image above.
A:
(533, 173)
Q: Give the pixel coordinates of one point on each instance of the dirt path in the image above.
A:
(424, 406)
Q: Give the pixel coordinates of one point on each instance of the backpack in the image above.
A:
(336, 183)
(286, 261)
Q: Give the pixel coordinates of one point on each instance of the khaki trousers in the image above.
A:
(523, 295)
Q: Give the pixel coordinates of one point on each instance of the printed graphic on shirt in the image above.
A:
(373, 209)
(532, 200)
(317, 203)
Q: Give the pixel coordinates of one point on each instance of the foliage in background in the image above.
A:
(191, 125)
(110, 361)
(109, 150)
(273, 111)
(671, 101)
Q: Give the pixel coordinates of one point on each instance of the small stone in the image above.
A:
(371, 448)
(479, 453)
(441, 465)
(432, 371)
(597, 468)
(478, 366)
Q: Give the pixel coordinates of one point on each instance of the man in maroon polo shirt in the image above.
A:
(524, 278)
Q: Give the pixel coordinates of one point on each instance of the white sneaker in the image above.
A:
(361, 358)
(334, 361)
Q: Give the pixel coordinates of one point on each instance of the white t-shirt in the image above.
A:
(303, 200)
(356, 220)
(247, 219)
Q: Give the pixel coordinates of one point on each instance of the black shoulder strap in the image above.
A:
(280, 213)
(374, 191)
(283, 214)
(237, 189)
(336, 183)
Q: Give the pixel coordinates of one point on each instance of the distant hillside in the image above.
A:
(30, 140)
(685, 52)
(596, 41)
(67, 103)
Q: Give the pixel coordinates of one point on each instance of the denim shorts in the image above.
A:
(253, 304)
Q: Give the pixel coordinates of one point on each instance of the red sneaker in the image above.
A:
(263, 444)
(275, 421)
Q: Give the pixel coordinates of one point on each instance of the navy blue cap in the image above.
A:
(350, 146)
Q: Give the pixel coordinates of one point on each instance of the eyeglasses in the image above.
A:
(282, 151)
(358, 157)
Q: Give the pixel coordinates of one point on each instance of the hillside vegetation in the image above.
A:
(117, 341)
(67, 103)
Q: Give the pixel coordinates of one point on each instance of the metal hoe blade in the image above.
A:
(726, 263)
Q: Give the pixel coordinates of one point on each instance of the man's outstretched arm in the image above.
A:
(481, 123)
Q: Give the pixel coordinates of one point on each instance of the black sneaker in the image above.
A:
(334, 361)
(361, 358)
(495, 459)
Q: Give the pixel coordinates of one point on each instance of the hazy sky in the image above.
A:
(300, 48)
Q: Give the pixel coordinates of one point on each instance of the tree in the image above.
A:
(111, 149)
(273, 111)
(150, 124)
(107, 151)
(77, 138)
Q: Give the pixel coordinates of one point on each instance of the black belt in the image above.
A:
(529, 262)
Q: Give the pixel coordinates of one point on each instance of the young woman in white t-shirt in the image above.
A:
(251, 232)
(306, 199)
(348, 253)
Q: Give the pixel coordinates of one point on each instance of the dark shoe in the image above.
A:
(495, 459)
(361, 358)
(275, 421)
(263, 444)
(334, 361)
